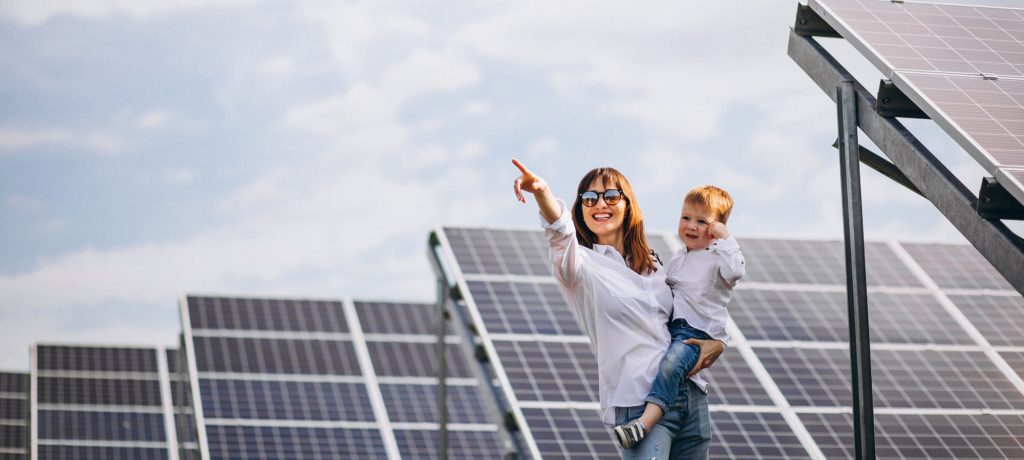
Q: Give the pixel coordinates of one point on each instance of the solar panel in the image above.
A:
(753, 435)
(954, 266)
(918, 379)
(13, 415)
(924, 435)
(943, 328)
(818, 262)
(998, 318)
(401, 340)
(962, 65)
(291, 378)
(546, 367)
(783, 315)
(260, 380)
(101, 402)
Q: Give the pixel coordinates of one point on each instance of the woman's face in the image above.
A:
(604, 220)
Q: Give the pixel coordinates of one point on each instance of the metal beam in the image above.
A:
(495, 404)
(1000, 246)
(856, 284)
(995, 202)
(883, 167)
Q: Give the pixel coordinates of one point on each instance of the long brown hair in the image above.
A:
(638, 253)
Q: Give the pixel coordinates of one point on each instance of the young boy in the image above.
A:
(701, 276)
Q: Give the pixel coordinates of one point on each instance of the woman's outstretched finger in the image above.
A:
(526, 172)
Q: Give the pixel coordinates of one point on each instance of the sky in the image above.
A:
(153, 149)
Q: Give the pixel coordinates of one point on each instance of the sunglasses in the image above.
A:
(611, 197)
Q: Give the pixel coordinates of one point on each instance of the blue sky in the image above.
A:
(151, 149)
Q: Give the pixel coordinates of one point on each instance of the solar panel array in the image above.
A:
(13, 415)
(962, 65)
(94, 402)
(298, 379)
(947, 347)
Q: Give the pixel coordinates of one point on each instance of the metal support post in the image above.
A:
(856, 285)
(442, 365)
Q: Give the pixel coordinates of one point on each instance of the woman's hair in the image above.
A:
(637, 252)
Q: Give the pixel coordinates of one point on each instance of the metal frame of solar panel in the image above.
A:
(962, 65)
(300, 378)
(13, 415)
(96, 401)
(786, 370)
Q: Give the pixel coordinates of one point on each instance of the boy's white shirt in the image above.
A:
(623, 313)
(702, 281)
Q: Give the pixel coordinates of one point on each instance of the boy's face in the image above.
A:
(693, 227)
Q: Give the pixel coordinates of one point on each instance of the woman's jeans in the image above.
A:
(683, 433)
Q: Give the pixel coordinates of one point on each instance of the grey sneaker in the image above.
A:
(630, 434)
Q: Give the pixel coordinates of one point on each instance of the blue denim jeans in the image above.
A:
(678, 361)
(684, 432)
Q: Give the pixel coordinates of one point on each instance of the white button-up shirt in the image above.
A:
(624, 314)
(702, 282)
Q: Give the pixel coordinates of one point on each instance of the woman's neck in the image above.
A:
(615, 242)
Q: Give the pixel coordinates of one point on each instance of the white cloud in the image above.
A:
(153, 119)
(179, 176)
(277, 66)
(32, 12)
(13, 141)
(478, 108)
(17, 140)
(541, 148)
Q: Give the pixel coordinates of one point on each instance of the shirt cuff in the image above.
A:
(564, 220)
(728, 243)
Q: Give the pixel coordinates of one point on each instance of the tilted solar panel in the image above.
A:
(947, 347)
(544, 361)
(102, 402)
(312, 379)
(264, 374)
(961, 65)
(13, 415)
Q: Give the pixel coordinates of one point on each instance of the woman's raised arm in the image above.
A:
(530, 182)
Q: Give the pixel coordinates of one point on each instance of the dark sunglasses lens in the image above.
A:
(612, 197)
(589, 198)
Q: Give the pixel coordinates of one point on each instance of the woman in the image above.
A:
(610, 278)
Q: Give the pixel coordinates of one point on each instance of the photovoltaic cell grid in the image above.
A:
(911, 379)
(282, 378)
(547, 359)
(13, 415)
(100, 402)
(778, 315)
(784, 261)
(962, 65)
(923, 435)
(279, 378)
(401, 338)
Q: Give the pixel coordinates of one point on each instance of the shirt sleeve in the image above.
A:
(564, 250)
(731, 264)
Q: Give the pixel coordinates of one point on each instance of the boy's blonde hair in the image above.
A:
(713, 199)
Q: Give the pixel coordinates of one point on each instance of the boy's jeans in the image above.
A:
(678, 361)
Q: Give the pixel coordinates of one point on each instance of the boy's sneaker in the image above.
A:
(630, 434)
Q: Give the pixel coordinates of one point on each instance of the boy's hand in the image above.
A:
(718, 231)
